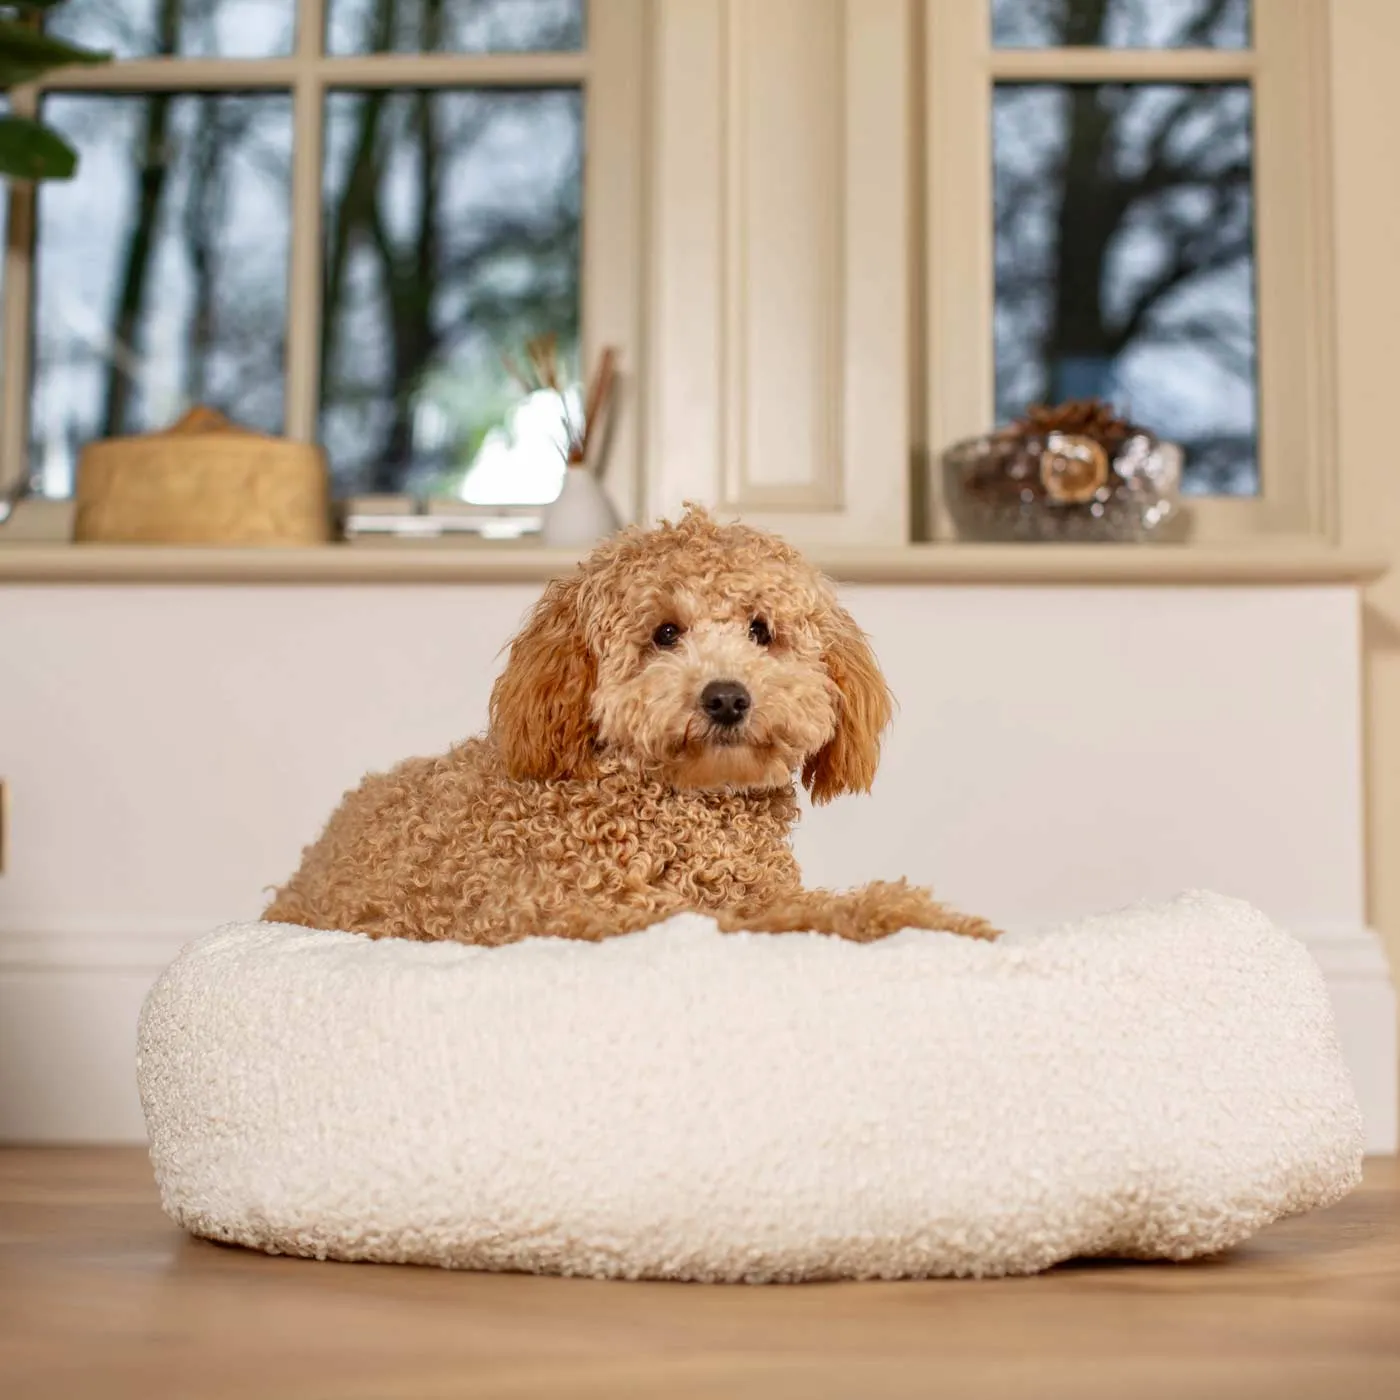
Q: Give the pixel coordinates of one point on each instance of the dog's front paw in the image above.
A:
(918, 908)
(886, 906)
(861, 915)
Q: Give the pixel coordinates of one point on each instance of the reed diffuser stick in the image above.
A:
(583, 441)
(595, 412)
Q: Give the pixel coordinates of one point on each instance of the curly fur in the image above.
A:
(603, 798)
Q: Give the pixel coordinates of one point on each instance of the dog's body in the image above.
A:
(454, 847)
(645, 737)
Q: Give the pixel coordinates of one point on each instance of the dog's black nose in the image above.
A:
(726, 702)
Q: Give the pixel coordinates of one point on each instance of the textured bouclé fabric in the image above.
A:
(683, 1103)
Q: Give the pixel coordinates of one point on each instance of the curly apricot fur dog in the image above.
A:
(645, 737)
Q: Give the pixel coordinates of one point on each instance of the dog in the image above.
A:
(646, 736)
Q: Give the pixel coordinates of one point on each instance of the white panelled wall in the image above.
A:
(1057, 750)
(169, 747)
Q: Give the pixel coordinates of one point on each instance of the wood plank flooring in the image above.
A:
(101, 1296)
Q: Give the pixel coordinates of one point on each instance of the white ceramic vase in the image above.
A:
(581, 514)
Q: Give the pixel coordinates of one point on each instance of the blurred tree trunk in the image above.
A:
(412, 280)
(351, 216)
(1096, 201)
(203, 216)
(408, 276)
(1088, 218)
(412, 276)
(154, 155)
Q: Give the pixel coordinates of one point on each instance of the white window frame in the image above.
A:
(609, 70)
(1288, 69)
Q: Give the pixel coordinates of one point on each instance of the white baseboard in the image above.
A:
(69, 1001)
(1354, 964)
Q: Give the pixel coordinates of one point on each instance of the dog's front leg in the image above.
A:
(862, 915)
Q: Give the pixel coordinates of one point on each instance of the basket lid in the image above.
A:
(202, 419)
(196, 421)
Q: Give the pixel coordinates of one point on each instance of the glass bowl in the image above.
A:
(1039, 487)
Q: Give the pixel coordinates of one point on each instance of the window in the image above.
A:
(333, 219)
(1126, 200)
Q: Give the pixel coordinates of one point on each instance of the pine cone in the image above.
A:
(1080, 417)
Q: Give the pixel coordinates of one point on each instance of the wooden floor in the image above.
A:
(101, 1296)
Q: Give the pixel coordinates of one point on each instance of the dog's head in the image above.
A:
(704, 655)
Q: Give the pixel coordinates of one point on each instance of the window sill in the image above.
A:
(1275, 563)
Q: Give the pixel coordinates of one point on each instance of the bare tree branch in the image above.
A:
(1183, 266)
(1199, 32)
(1215, 339)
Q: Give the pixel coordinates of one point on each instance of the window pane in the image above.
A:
(1121, 24)
(454, 26)
(1125, 262)
(452, 235)
(193, 28)
(160, 269)
(4, 243)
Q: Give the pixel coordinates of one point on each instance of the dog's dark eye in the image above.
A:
(759, 632)
(667, 635)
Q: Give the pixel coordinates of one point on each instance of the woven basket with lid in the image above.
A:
(204, 480)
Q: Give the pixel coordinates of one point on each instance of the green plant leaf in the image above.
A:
(26, 54)
(29, 151)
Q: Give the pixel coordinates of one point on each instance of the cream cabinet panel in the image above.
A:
(780, 284)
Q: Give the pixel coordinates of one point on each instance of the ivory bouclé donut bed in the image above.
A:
(683, 1103)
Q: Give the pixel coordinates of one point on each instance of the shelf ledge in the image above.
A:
(1177, 565)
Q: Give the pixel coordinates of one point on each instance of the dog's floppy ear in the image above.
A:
(540, 704)
(848, 761)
